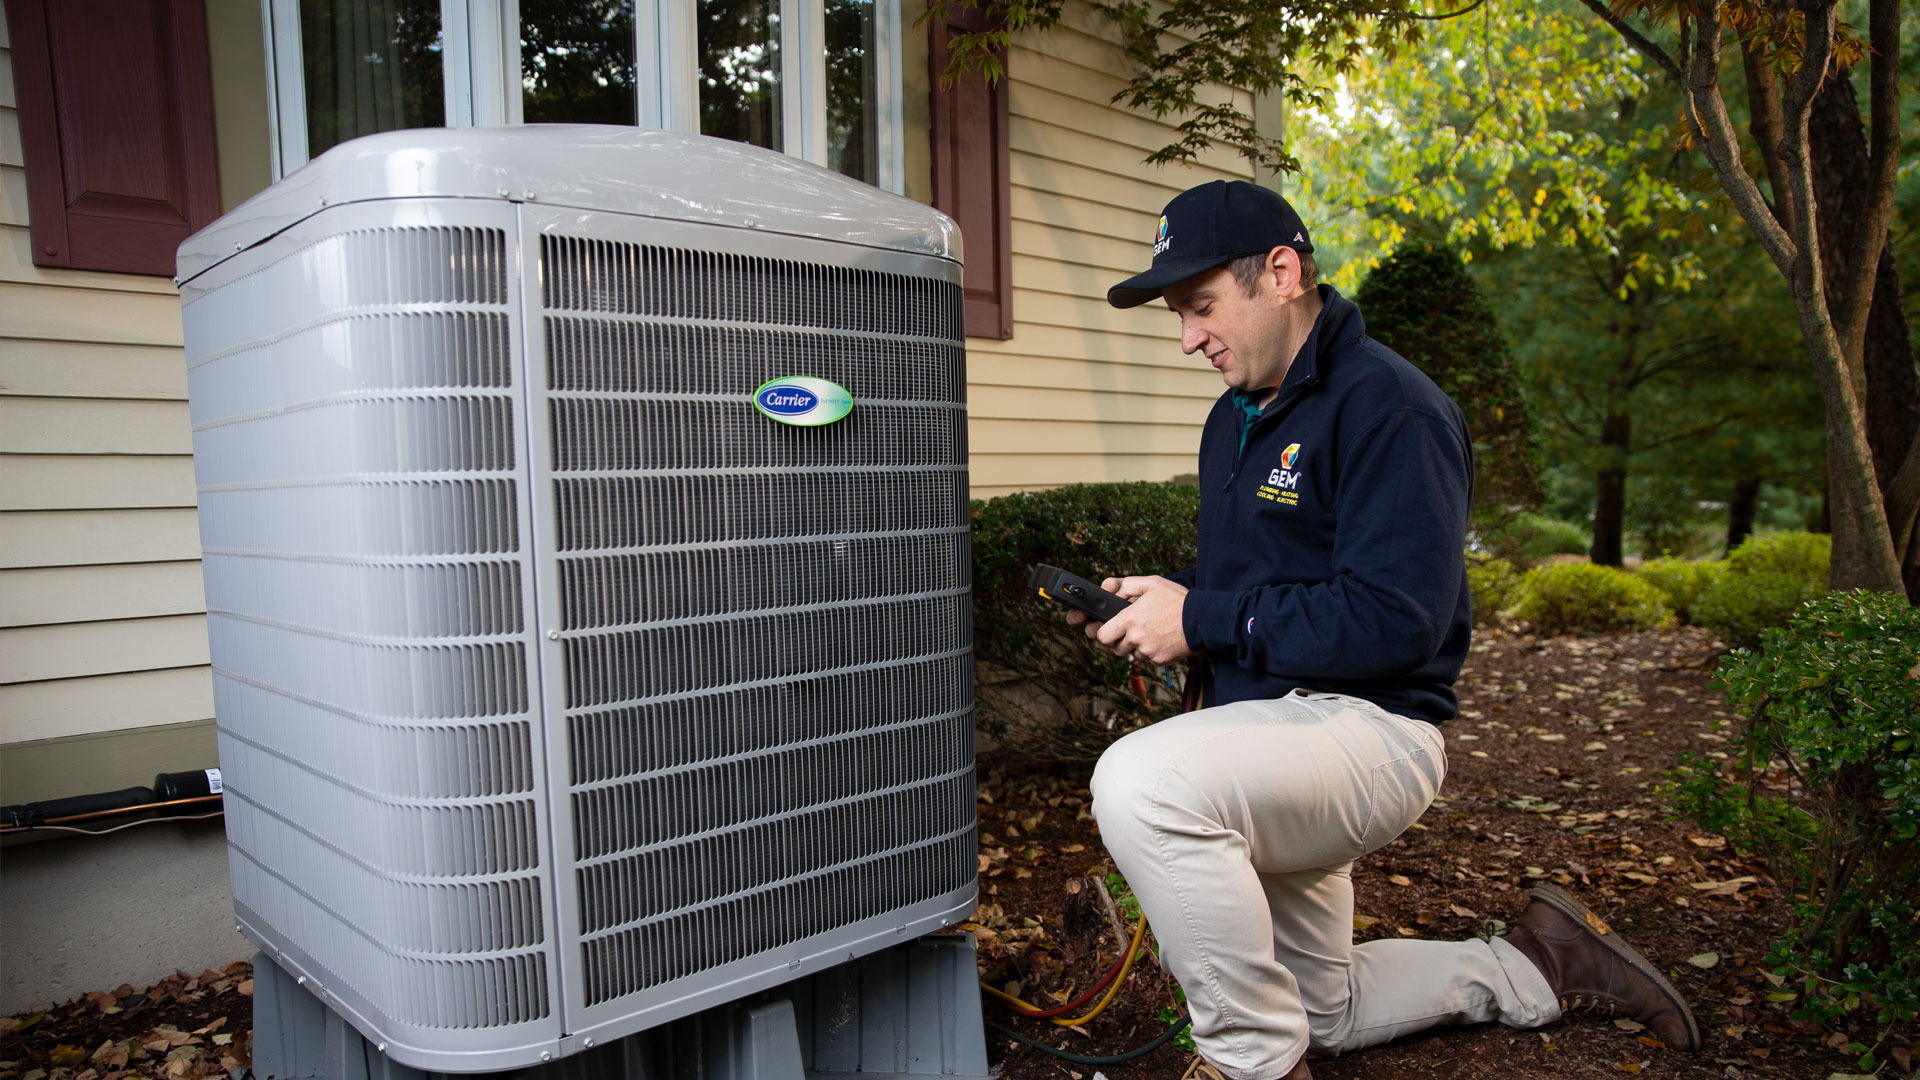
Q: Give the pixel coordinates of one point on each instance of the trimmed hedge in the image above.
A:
(1565, 598)
(1682, 581)
(1495, 585)
(1767, 579)
(1045, 689)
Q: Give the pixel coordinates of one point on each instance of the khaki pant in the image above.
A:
(1237, 827)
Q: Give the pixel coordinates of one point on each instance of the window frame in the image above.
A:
(482, 75)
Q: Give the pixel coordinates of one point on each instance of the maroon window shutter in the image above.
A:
(116, 119)
(970, 177)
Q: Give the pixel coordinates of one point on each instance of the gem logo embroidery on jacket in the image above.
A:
(1283, 483)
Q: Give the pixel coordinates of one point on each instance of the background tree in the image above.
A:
(1423, 304)
(1303, 49)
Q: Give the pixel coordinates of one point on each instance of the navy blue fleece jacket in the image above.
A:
(1332, 529)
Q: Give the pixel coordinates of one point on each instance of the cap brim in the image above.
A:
(1141, 288)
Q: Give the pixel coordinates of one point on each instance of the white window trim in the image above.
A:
(481, 69)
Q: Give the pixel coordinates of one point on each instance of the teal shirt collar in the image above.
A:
(1249, 407)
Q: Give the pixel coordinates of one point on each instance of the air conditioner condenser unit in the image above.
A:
(584, 515)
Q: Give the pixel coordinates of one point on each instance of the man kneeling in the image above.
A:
(1327, 615)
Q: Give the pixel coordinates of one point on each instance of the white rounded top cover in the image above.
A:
(624, 170)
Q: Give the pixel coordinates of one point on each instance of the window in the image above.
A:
(818, 79)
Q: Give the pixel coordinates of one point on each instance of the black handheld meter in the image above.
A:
(1076, 592)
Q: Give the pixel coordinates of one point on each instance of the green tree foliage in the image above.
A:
(1518, 166)
(576, 61)
(1824, 784)
(1423, 304)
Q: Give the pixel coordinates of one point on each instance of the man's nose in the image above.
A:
(1191, 338)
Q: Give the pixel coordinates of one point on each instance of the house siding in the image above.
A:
(101, 613)
(1082, 392)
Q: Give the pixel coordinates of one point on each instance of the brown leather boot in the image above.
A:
(1590, 968)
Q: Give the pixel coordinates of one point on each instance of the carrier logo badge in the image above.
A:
(802, 401)
(1289, 456)
(1161, 241)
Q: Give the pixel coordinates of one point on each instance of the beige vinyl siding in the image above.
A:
(1081, 392)
(102, 624)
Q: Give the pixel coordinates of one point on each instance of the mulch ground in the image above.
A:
(1553, 769)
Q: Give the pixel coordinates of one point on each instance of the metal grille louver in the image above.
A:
(766, 662)
(357, 464)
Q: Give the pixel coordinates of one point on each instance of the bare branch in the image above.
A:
(1763, 107)
(1636, 39)
(1708, 111)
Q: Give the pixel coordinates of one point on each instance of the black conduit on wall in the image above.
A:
(172, 794)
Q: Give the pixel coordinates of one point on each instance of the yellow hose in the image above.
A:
(1133, 950)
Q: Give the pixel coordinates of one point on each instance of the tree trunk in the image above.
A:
(1837, 144)
(1610, 497)
(1741, 507)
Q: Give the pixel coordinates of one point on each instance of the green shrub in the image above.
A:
(1823, 782)
(1045, 689)
(1494, 583)
(1802, 555)
(1681, 581)
(1766, 580)
(1565, 598)
(1528, 538)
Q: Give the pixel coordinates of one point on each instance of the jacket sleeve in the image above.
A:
(1398, 563)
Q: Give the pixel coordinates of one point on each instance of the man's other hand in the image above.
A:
(1151, 628)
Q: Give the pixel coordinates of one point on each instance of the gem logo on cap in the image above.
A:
(1161, 240)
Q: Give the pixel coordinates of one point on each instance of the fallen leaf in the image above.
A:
(1594, 746)
(1399, 879)
(1707, 841)
(1073, 849)
(1704, 960)
(1644, 879)
(1651, 1043)
(245, 989)
(66, 1054)
(1625, 1024)
(1361, 922)
(1723, 888)
(1779, 996)
(1630, 1067)
(1463, 912)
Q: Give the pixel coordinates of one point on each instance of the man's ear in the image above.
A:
(1283, 269)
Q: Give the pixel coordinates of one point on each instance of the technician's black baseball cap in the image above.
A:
(1208, 226)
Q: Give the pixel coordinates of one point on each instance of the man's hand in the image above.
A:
(1151, 627)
